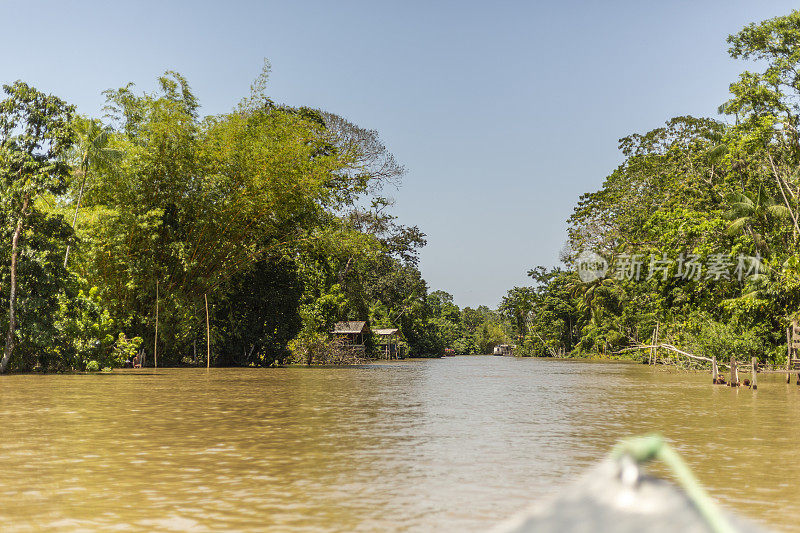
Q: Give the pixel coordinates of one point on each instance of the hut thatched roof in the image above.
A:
(350, 327)
(386, 331)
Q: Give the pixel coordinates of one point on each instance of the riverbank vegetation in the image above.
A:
(699, 227)
(142, 231)
(119, 227)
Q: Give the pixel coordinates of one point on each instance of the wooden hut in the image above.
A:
(351, 334)
(504, 349)
(388, 342)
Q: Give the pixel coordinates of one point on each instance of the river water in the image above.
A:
(453, 444)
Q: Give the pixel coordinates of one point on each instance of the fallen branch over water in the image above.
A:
(672, 348)
(687, 354)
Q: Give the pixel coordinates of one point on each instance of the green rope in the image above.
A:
(649, 447)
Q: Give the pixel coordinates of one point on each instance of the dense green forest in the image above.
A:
(120, 231)
(698, 228)
(119, 227)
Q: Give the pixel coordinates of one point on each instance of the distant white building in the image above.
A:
(503, 349)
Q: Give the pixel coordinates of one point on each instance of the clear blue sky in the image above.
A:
(503, 112)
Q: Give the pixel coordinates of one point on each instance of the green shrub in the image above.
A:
(309, 348)
(725, 340)
(92, 366)
(86, 328)
(124, 349)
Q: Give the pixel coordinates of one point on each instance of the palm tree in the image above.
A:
(749, 211)
(592, 296)
(516, 305)
(93, 151)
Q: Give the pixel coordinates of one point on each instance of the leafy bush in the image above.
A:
(725, 340)
(86, 328)
(308, 348)
(124, 350)
(319, 348)
(92, 366)
(465, 345)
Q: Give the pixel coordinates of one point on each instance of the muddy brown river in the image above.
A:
(453, 444)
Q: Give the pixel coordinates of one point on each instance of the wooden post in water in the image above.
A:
(155, 341)
(652, 359)
(714, 370)
(754, 371)
(734, 373)
(655, 344)
(788, 353)
(208, 336)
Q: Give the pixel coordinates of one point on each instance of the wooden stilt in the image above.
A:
(655, 344)
(714, 370)
(734, 373)
(788, 354)
(155, 341)
(795, 345)
(208, 335)
(754, 371)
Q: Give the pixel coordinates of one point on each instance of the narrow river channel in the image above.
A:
(453, 444)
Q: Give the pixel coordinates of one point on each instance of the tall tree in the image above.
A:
(35, 136)
(517, 305)
(91, 149)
